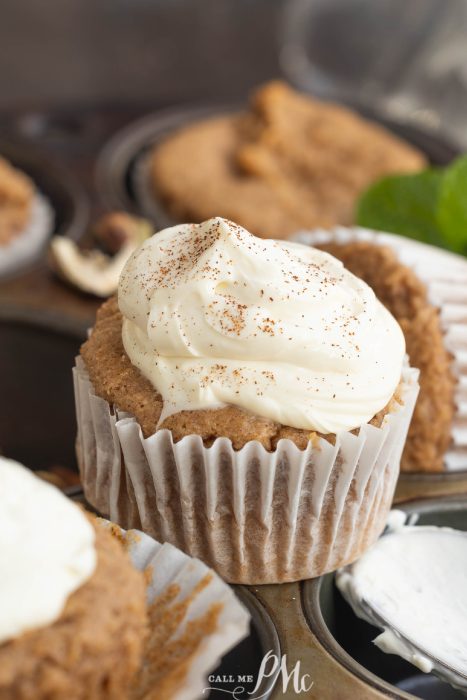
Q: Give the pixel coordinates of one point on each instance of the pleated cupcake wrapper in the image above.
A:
(445, 276)
(27, 245)
(203, 588)
(254, 516)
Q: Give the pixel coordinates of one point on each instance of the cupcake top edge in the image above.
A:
(213, 316)
(48, 546)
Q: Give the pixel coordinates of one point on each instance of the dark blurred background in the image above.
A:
(407, 58)
(80, 52)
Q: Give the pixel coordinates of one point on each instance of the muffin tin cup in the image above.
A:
(445, 276)
(198, 618)
(254, 516)
(349, 639)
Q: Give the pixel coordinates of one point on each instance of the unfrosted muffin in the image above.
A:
(288, 162)
(268, 403)
(26, 219)
(16, 196)
(73, 618)
(405, 295)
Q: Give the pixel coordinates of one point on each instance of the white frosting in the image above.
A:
(413, 584)
(215, 316)
(46, 550)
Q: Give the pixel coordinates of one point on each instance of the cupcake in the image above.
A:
(246, 400)
(426, 290)
(194, 619)
(91, 611)
(73, 616)
(25, 218)
(287, 162)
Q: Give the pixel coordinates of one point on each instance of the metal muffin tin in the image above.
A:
(349, 640)
(309, 622)
(37, 414)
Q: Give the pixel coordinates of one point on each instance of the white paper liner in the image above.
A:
(445, 275)
(27, 245)
(254, 516)
(168, 566)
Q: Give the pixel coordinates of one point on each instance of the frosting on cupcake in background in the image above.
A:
(412, 583)
(214, 316)
(46, 549)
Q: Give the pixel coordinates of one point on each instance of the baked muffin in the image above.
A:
(16, 195)
(289, 162)
(406, 297)
(245, 400)
(73, 621)
(26, 219)
(425, 288)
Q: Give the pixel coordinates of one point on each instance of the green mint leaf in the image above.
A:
(452, 206)
(404, 204)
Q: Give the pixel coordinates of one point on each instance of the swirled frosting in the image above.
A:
(214, 316)
(46, 550)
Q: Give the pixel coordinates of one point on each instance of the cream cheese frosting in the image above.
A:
(46, 551)
(413, 583)
(213, 316)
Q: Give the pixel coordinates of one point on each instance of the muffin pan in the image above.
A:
(311, 622)
(349, 639)
(65, 196)
(37, 417)
(120, 166)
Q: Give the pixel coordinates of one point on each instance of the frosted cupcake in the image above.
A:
(92, 612)
(73, 609)
(246, 400)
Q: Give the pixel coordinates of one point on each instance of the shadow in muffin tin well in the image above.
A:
(349, 639)
(37, 411)
(245, 659)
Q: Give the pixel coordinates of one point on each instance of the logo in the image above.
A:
(272, 666)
